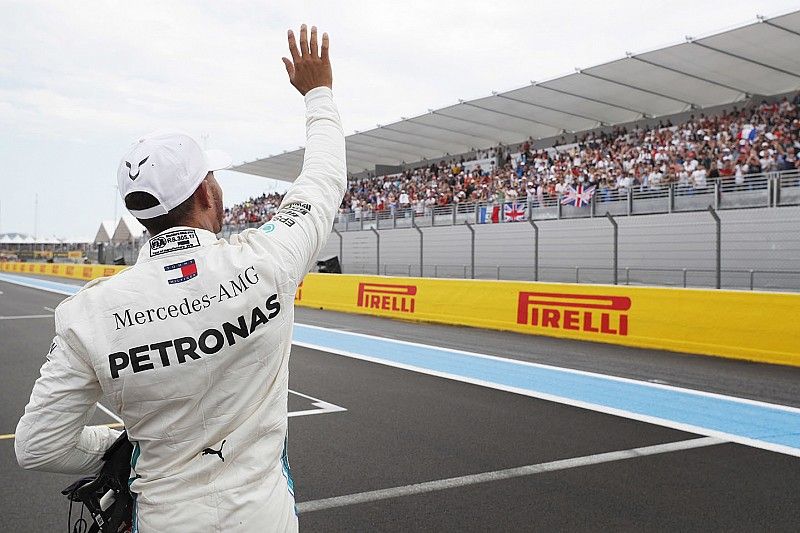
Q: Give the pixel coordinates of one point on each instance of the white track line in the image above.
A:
(39, 287)
(498, 475)
(109, 412)
(49, 309)
(24, 317)
(323, 406)
(568, 370)
(599, 408)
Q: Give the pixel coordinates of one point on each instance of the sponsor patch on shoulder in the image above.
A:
(187, 270)
(173, 241)
(291, 212)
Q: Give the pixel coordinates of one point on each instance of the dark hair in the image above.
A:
(176, 217)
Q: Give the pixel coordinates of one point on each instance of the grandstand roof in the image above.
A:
(128, 229)
(105, 231)
(733, 65)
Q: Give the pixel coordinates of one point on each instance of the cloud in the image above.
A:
(84, 78)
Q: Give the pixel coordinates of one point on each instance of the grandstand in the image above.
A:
(721, 69)
(734, 150)
(705, 110)
(711, 122)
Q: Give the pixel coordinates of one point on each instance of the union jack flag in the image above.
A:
(513, 212)
(578, 196)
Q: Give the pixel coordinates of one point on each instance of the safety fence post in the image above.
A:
(671, 198)
(719, 245)
(341, 247)
(472, 250)
(776, 191)
(535, 249)
(421, 247)
(615, 259)
(630, 200)
(377, 251)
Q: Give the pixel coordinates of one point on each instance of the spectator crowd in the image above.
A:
(731, 146)
(253, 210)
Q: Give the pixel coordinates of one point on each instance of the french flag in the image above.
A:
(489, 214)
(748, 133)
(186, 270)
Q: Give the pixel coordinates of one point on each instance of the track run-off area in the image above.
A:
(398, 426)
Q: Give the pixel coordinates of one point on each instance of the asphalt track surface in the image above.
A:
(380, 448)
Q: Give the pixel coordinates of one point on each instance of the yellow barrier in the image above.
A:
(64, 270)
(756, 326)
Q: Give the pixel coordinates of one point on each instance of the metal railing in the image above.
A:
(772, 189)
(756, 190)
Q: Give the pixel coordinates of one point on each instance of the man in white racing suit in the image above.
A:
(191, 345)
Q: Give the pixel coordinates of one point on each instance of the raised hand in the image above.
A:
(309, 67)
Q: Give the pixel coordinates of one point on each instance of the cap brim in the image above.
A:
(217, 160)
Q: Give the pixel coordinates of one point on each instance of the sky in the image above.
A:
(79, 81)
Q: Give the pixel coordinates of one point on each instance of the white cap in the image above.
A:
(169, 165)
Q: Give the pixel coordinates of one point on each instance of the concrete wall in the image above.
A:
(654, 248)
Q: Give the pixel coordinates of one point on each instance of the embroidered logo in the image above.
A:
(131, 175)
(186, 269)
(173, 241)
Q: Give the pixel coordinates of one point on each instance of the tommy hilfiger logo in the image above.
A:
(188, 270)
(138, 168)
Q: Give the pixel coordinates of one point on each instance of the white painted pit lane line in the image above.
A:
(109, 412)
(499, 475)
(24, 317)
(322, 406)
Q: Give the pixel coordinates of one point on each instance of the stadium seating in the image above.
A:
(732, 147)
